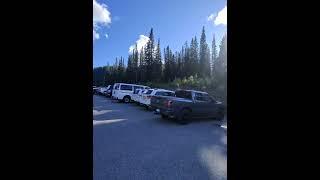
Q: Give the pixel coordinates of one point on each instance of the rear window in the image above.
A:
(164, 93)
(126, 87)
(183, 94)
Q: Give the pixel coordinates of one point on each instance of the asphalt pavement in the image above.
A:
(130, 142)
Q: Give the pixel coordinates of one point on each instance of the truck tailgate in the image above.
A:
(158, 102)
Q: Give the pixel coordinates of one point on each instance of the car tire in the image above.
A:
(126, 99)
(184, 117)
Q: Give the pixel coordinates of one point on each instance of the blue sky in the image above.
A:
(173, 21)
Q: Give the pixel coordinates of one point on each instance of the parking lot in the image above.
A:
(130, 142)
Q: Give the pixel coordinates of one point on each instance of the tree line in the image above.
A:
(147, 65)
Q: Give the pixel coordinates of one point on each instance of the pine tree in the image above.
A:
(222, 59)
(142, 65)
(195, 56)
(167, 68)
(179, 65)
(149, 57)
(130, 70)
(187, 60)
(135, 63)
(204, 56)
(213, 54)
(157, 69)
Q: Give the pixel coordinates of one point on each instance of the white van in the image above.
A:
(123, 92)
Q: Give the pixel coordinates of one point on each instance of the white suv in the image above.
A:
(123, 92)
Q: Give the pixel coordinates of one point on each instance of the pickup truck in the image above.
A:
(187, 104)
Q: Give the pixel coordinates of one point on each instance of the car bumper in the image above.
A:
(167, 112)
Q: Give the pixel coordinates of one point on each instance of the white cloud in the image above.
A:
(211, 17)
(107, 36)
(101, 13)
(221, 17)
(95, 35)
(142, 41)
(101, 17)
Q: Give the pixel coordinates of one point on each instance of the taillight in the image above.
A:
(168, 104)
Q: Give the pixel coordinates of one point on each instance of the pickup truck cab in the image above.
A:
(187, 104)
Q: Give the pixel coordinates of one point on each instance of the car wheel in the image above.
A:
(126, 99)
(184, 117)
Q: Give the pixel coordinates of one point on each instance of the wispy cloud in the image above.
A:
(95, 35)
(107, 36)
(211, 17)
(142, 41)
(101, 17)
(220, 18)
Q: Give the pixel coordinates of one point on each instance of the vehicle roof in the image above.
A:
(163, 90)
(190, 90)
(131, 84)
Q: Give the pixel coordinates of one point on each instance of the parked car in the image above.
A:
(101, 90)
(155, 99)
(95, 90)
(136, 94)
(104, 90)
(187, 104)
(139, 95)
(109, 91)
(146, 98)
(123, 92)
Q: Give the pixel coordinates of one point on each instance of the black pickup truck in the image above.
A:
(187, 104)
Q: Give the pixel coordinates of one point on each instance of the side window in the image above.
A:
(169, 94)
(116, 87)
(202, 97)
(136, 87)
(149, 92)
(126, 87)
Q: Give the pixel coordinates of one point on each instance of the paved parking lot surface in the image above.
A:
(130, 142)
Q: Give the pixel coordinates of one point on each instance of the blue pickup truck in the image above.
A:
(188, 104)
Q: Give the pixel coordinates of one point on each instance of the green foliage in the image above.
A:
(191, 68)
